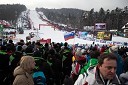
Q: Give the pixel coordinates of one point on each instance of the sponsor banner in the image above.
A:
(104, 36)
(117, 43)
(107, 36)
(89, 28)
(83, 34)
(100, 35)
(102, 41)
(109, 42)
(43, 41)
(100, 26)
(97, 40)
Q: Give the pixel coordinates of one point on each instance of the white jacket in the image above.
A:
(91, 77)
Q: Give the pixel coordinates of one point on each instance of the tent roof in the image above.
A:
(125, 26)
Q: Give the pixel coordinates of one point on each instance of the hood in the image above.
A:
(124, 75)
(18, 71)
(113, 49)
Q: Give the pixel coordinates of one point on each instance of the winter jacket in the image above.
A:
(4, 61)
(126, 64)
(120, 64)
(124, 78)
(92, 77)
(22, 77)
(92, 62)
(15, 59)
(4, 67)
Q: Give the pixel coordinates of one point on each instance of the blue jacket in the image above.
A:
(120, 64)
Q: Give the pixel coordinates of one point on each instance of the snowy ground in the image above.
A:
(55, 35)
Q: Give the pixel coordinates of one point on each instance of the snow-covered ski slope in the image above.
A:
(54, 34)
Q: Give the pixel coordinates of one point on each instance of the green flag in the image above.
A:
(1, 27)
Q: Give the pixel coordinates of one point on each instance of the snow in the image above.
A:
(119, 39)
(55, 35)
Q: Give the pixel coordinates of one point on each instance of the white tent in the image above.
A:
(125, 26)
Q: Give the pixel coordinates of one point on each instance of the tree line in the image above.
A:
(115, 19)
(10, 12)
(77, 18)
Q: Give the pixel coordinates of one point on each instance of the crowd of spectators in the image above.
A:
(64, 64)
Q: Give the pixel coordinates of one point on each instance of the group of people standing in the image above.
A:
(62, 64)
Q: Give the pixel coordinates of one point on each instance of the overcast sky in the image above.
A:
(80, 4)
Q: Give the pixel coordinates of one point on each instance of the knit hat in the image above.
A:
(113, 49)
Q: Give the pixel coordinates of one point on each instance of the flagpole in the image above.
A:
(73, 46)
(74, 40)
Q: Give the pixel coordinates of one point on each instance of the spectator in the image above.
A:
(124, 76)
(4, 65)
(102, 74)
(23, 72)
(126, 64)
(92, 62)
(15, 60)
(120, 63)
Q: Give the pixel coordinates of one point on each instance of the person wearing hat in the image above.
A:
(78, 63)
(113, 49)
(92, 62)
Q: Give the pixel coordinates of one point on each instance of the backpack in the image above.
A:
(39, 78)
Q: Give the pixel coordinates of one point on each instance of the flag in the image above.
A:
(69, 35)
(1, 27)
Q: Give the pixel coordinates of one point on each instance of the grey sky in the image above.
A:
(80, 4)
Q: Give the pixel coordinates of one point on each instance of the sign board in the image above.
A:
(100, 26)
(100, 35)
(43, 41)
(104, 35)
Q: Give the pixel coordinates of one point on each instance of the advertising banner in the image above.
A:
(107, 36)
(83, 34)
(104, 36)
(100, 26)
(100, 35)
